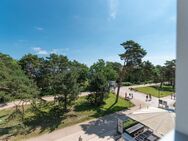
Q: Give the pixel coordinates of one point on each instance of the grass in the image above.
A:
(154, 90)
(128, 123)
(51, 118)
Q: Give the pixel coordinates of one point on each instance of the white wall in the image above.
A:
(182, 67)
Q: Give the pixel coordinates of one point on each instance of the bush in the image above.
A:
(149, 81)
(96, 99)
(127, 83)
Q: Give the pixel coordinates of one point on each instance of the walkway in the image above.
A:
(51, 98)
(17, 102)
(104, 128)
(101, 129)
(140, 98)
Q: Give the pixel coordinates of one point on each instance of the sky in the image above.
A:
(88, 30)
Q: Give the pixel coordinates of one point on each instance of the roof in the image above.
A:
(135, 128)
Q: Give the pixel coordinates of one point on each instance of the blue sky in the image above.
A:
(88, 30)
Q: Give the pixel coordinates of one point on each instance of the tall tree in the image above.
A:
(54, 64)
(65, 85)
(115, 65)
(33, 67)
(170, 67)
(160, 75)
(108, 70)
(132, 58)
(147, 71)
(98, 82)
(14, 84)
(82, 72)
(98, 85)
(60, 79)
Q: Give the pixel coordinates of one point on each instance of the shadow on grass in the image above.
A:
(45, 120)
(40, 120)
(48, 117)
(8, 132)
(3, 116)
(98, 111)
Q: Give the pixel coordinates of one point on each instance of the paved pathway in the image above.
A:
(101, 129)
(159, 120)
(104, 128)
(47, 98)
(140, 98)
(51, 98)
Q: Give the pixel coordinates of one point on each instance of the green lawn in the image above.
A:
(50, 118)
(154, 90)
(128, 123)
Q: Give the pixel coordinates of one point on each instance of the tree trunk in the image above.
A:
(102, 98)
(95, 98)
(65, 103)
(23, 111)
(118, 90)
(173, 85)
(161, 84)
(119, 82)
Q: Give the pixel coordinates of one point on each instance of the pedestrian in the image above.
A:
(140, 106)
(80, 138)
(146, 98)
(125, 95)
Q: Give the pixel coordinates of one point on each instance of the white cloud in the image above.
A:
(54, 51)
(39, 28)
(60, 51)
(40, 51)
(113, 7)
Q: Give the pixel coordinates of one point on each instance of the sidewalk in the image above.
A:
(17, 102)
(140, 98)
(101, 129)
(51, 98)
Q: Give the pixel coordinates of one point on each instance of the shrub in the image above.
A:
(127, 83)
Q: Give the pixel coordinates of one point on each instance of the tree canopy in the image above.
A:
(133, 54)
(14, 84)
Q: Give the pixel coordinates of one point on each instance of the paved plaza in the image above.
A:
(159, 120)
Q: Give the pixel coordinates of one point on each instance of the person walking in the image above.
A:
(146, 98)
(80, 138)
(125, 95)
